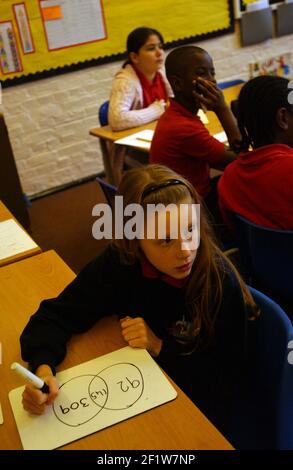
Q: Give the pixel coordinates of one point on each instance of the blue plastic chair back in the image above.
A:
(268, 257)
(263, 412)
(109, 190)
(103, 113)
(230, 83)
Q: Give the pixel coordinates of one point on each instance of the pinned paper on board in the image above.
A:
(93, 396)
(23, 26)
(72, 22)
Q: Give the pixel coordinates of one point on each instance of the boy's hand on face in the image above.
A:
(208, 95)
(137, 334)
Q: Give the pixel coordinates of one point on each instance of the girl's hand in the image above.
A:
(208, 95)
(137, 334)
(160, 104)
(33, 400)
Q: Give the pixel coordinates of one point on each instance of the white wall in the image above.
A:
(49, 120)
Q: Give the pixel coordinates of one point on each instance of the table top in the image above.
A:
(214, 126)
(5, 214)
(175, 425)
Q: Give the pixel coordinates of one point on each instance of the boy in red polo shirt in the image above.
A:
(181, 141)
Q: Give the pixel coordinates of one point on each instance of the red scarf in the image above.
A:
(152, 91)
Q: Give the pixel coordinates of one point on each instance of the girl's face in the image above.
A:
(150, 57)
(171, 255)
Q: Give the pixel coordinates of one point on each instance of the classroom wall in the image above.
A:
(49, 120)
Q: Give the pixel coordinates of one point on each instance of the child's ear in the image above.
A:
(282, 119)
(176, 83)
(133, 56)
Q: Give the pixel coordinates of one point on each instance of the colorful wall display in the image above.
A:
(41, 36)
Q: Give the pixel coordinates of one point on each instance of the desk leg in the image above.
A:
(118, 153)
(113, 160)
(106, 149)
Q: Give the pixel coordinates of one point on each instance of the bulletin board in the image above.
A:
(41, 38)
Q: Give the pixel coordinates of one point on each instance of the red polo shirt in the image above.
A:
(183, 143)
(259, 186)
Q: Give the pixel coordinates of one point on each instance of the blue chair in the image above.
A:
(268, 257)
(230, 83)
(103, 113)
(263, 409)
(108, 189)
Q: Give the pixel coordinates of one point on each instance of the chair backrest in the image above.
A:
(264, 408)
(268, 256)
(109, 190)
(103, 113)
(229, 83)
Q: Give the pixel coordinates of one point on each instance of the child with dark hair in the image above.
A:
(259, 184)
(140, 89)
(185, 304)
(181, 141)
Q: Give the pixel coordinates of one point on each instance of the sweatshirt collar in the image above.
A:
(149, 271)
(182, 110)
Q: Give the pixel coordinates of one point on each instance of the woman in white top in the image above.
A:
(140, 90)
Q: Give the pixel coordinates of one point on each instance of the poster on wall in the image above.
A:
(56, 36)
(72, 22)
(23, 27)
(9, 55)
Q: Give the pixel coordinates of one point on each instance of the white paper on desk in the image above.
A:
(142, 139)
(202, 116)
(222, 137)
(13, 239)
(93, 396)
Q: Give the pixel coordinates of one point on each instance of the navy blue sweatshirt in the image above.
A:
(208, 375)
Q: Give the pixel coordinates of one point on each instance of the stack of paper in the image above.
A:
(13, 239)
(140, 139)
(222, 137)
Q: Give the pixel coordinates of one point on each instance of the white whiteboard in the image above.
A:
(94, 395)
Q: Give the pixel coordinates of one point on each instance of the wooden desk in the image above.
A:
(174, 425)
(114, 155)
(5, 214)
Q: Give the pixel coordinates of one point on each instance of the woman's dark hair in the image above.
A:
(137, 38)
(258, 103)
